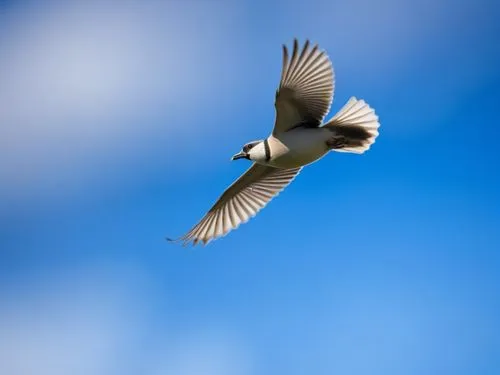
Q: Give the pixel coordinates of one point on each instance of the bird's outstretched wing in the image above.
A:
(241, 201)
(305, 92)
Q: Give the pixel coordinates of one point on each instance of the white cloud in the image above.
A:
(212, 354)
(99, 322)
(86, 85)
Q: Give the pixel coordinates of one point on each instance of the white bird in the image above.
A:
(299, 137)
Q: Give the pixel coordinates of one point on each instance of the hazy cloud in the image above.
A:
(99, 321)
(86, 85)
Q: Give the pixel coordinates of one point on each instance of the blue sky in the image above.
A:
(118, 120)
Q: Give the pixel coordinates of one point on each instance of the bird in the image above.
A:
(299, 137)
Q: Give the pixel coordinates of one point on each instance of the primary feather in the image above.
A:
(240, 202)
(305, 92)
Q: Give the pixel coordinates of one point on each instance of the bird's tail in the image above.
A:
(356, 124)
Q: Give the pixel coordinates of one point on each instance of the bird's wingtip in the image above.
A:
(179, 241)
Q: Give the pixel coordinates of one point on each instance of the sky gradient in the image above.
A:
(117, 123)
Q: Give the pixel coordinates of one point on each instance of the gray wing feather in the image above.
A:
(305, 92)
(240, 202)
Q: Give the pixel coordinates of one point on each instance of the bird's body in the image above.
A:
(299, 138)
(298, 147)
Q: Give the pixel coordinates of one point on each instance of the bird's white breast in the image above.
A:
(298, 147)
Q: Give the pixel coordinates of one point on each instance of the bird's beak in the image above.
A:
(239, 155)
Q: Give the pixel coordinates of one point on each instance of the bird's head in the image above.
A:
(254, 150)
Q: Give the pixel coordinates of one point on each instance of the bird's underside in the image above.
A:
(303, 98)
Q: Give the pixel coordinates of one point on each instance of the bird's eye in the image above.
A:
(247, 148)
